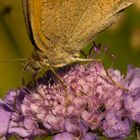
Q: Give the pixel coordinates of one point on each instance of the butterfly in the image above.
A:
(59, 29)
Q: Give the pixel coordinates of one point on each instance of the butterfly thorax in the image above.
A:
(54, 58)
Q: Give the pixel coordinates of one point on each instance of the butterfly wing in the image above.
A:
(26, 14)
(62, 27)
(98, 15)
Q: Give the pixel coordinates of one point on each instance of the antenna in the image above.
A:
(13, 60)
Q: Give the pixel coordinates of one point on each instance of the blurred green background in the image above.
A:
(123, 40)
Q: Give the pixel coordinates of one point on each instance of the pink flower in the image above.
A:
(93, 98)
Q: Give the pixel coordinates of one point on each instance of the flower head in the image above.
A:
(93, 99)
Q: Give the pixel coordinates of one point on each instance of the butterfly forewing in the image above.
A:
(62, 27)
(27, 19)
(98, 15)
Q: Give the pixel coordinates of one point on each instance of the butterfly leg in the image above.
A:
(62, 83)
(86, 60)
(83, 53)
(58, 77)
(95, 48)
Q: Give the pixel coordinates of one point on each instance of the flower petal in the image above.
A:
(5, 115)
